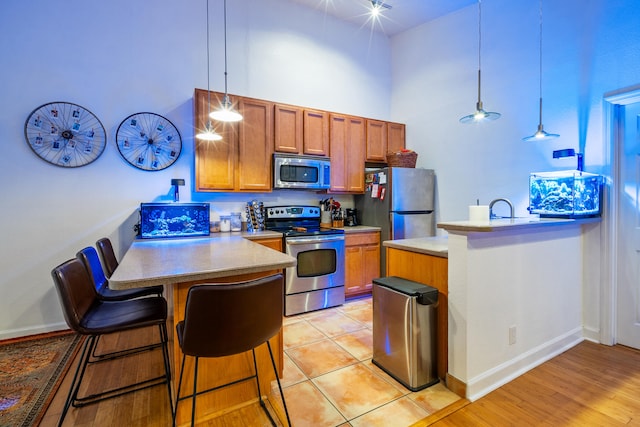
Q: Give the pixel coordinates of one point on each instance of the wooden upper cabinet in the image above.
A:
(214, 160)
(395, 137)
(241, 161)
(347, 144)
(288, 129)
(255, 145)
(339, 162)
(316, 132)
(376, 141)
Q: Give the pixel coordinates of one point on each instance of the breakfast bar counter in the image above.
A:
(179, 264)
(171, 261)
(514, 297)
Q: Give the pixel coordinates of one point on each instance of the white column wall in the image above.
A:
(530, 280)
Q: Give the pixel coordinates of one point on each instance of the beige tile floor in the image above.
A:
(329, 379)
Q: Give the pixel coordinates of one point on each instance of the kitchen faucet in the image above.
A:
(494, 201)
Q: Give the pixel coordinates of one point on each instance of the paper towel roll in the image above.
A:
(478, 213)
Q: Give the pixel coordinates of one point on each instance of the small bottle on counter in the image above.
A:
(236, 221)
(225, 223)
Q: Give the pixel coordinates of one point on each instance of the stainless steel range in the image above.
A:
(317, 281)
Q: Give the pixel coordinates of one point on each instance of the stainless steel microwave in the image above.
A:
(301, 172)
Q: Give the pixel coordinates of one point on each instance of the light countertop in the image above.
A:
(436, 246)
(509, 224)
(166, 261)
(359, 229)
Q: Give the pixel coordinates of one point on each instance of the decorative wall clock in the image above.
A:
(148, 141)
(65, 134)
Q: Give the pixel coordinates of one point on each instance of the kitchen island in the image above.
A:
(179, 264)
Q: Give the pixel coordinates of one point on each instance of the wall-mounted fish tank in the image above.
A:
(565, 194)
(158, 220)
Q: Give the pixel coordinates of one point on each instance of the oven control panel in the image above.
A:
(293, 212)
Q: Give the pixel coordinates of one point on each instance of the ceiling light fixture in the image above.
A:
(480, 116)
(226, 113)
(209, 133)
(540, 134)
(377, 6)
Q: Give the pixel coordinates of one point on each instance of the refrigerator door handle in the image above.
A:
(392, 234)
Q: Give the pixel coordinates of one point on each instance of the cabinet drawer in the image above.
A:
(358, 239)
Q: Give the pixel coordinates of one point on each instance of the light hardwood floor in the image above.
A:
(589, 385)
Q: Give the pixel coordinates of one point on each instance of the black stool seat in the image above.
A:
(106, 317)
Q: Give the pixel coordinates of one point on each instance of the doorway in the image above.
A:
(628, 226)
(620, 231)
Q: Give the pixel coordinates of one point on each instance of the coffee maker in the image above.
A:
(352, 217)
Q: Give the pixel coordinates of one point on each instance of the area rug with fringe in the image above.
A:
(31, 371)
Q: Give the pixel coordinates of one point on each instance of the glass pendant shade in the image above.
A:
(226, 113)
(209, 134)
(540, 135)
(480, 115)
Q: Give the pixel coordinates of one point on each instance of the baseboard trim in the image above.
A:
(456, 386)
(502, 374)
(26, 332)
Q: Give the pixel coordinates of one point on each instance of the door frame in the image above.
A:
(613, 103)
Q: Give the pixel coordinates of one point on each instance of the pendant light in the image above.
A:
(209, 133)
(226, 113)
(480, 116)
(540, 134)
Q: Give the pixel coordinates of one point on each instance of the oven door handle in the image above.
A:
(314, 239)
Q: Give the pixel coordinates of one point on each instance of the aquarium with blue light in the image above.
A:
(159, 220)
(565, 194)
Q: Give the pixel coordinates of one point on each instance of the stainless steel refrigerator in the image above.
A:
(402, 206)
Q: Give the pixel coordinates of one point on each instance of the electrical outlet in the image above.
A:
(512, 335)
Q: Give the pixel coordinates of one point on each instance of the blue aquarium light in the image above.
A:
(569, 152)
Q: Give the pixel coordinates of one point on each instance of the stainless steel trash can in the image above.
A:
(404, 331)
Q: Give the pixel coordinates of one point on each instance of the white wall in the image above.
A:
(121, 57)
(589, 48)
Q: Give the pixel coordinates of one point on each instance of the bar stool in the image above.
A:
(91, 261)
(87, 314)
(110, 263)
(226, 319)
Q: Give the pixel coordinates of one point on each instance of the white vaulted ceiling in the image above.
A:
(402, 15)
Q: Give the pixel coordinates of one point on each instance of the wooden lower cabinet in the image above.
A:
(273, 243)
(433, 271)
(362, 262)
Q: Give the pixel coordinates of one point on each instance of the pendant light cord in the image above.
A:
(225, 47)
(540, 62)
(479, 46)
(208, 86)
